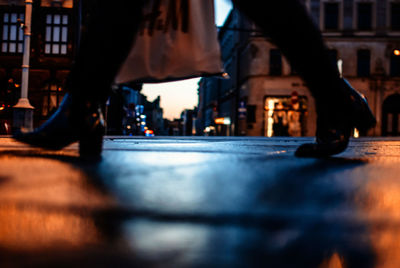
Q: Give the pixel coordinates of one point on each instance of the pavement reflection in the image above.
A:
(209, 203)
(378, 201)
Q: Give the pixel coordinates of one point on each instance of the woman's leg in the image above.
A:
(106, 41)
(107, 38)
(290, 27)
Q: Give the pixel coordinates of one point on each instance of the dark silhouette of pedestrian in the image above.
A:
(107, 39)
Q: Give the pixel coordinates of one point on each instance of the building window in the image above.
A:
(395, 16)
(331, 16)
(52, 97)
(395, 63)
(364, 16)
(363, 62)
(56, 37)
(275, 62)
(12, 40)
(391, 116)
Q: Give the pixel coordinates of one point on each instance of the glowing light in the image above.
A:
(1, 108)
(219, 121)
(225, 76)
(334, 261)
(271, 107)
(209, 129)
(356, 133)
(223, 121)
(396, 52)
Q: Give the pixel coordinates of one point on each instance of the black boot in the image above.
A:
(74, 120)
(334, 130)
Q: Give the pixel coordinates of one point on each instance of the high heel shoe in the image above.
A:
(73, 121)
(333, 133)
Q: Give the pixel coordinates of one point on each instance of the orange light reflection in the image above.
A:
(379, 202)
(27, 229)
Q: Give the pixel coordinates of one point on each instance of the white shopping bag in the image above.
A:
(177, 40)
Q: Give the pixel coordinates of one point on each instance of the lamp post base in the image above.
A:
(23, 115)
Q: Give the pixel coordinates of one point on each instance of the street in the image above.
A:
(200, 202)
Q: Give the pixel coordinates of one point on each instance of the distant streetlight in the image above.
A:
(23, 110)
(396, 52)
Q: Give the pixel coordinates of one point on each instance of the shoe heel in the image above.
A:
(366, 123)
(363, 117)
(91, 146)
(91, 141)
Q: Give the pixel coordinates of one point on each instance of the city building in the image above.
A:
(55, 33)
(128, 112)
(188, 117)
(173, 127)
(265, 97)
(154, 115)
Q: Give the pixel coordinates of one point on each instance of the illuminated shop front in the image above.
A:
(285, 116)
(223, 126)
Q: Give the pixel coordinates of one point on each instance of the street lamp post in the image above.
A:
(23, 110)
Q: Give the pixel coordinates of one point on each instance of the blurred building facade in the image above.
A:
(188, 117)
(265, 97)
(129, 112)
(56, 27)
(55, 33)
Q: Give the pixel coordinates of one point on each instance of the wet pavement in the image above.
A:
(200, 202)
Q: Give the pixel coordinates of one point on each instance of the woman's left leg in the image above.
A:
(106, 41)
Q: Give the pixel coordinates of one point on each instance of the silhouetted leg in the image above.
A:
(293, 31)
(106, 41)
(339, 107)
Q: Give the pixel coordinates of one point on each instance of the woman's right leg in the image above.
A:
(290, 27)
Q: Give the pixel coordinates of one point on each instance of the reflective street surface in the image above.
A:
(200, 202)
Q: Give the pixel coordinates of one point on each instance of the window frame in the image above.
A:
(390, 31)
(323, 16)
(356, 16)
(47, 93)
(51, 42)
(20, 14)
(391, 17)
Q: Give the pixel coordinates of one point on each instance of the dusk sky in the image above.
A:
(176, 96)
